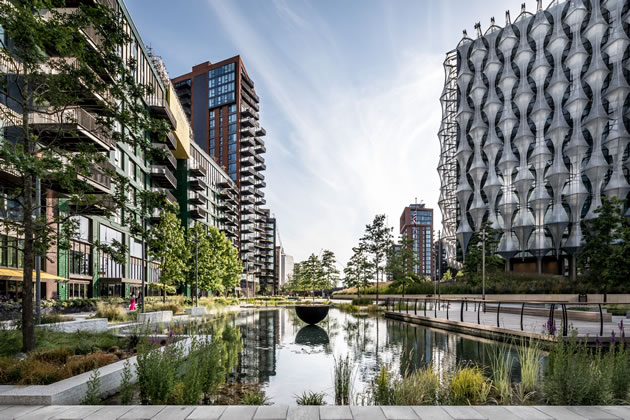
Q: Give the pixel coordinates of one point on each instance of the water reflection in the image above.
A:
(286, 357)
(312, 335)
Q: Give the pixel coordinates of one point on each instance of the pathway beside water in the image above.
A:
(484, 324)
(283, 412)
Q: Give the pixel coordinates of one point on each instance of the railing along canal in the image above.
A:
(480, 305)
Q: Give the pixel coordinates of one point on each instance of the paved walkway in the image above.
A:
(512, 321)
(282, 412)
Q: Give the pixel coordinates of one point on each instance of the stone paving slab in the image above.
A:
(360, 412)
(283, 412)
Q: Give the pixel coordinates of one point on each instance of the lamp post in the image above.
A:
(483, 264)
(38, 259)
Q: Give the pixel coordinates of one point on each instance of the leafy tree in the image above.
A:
(330, 271)
(377, 241)
(402, 259)
(312, 273)
(359, 270)
(447, 276)
(604, 256)
(208, 254)
(294, 285)
(232, 267)
(474, 253)
(49, 67)
(167, 245)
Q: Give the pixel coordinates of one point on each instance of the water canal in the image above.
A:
(286, 357)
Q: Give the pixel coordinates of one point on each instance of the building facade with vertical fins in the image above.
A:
(535, 131)
(223, 107)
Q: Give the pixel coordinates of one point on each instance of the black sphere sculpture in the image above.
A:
(312, 314)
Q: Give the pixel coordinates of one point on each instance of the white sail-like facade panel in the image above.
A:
(541, 129)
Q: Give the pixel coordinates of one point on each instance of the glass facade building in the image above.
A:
(416, 222)
(535, 131)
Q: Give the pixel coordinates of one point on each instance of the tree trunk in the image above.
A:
(28, 329)
(377, 284)
(164, 292)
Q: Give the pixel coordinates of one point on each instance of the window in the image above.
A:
(211, 133)
(232, 148)
(232, 157)
(231, 138)
(232, 118)
(232, 167)
(211, 120)
(232, 109)
(232, 128)
(80, 258)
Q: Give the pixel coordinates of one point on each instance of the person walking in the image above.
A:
(132, 303)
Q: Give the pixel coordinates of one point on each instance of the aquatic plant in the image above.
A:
(418, 388)
(468, 386)
(343, 379)
(529, 356)
(501, 366)
(255, 398)
(311, 398)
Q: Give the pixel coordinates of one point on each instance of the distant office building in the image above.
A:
(285, 267)
(222, 105)
(416, 222)
(535, 131)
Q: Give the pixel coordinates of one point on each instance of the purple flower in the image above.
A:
(597, 341)
(152, 341)
(170, 334)
(612, 337)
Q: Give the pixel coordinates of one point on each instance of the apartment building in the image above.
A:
(223, 107)
(416, 222)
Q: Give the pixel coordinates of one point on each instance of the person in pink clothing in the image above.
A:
(132, 303)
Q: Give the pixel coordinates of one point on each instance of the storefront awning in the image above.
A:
(17, 275)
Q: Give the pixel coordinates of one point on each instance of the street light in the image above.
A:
(483, 264)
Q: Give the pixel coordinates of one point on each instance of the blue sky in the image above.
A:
(349, 95)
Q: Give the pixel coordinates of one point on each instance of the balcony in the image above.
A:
(260, 166)
(248, 142)
(247, 122)
(71, 128)
(225, 184)
(247, 79)
(247, 132)
(99, 179)
(197, 213)
(196, 198)
(249, 161)
(169, 195)
(261, 202)
(248, 151)
(198, 171)
(198, 184)
(260, 148)
(250, 91)
(247, 171)
(247, 190)
(99, 207)
(163, 177)
(248, 112)
(169, 140)
(260, 183)
(247, 200)
(261, 132)
(247, 210)
(160, 109)
(247, 180)
(165, 157)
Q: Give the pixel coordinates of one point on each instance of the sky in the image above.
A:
(349, 95)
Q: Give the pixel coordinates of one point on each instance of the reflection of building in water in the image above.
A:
(443, 351)
(260, 333)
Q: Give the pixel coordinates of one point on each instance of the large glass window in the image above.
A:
(221, 85)
(109, 267)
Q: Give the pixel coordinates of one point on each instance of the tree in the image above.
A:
(167, 245)
(312, 273)
(206, 250)
(606, 245)
(330, 271)
(51, 71)
(447, 276)
(376, 241)
(359, 270)
(474, 253)
(401, 261)
(232, 267)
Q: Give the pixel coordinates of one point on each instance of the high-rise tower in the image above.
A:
(222, 105)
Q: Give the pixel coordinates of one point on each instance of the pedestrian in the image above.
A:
(132, 303)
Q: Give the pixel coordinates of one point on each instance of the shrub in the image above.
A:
(381, 387)
(418, 388)
(362, 301)
(157, 371)
(82, 363)
(126, 390)
(310, 398)
(93, 393)
(255, 398)
(52, 318)
(468, 386)
(35, 372)
(529, 356)
(111, 312)
(501, 365)
(57, 356)
(576, 375)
